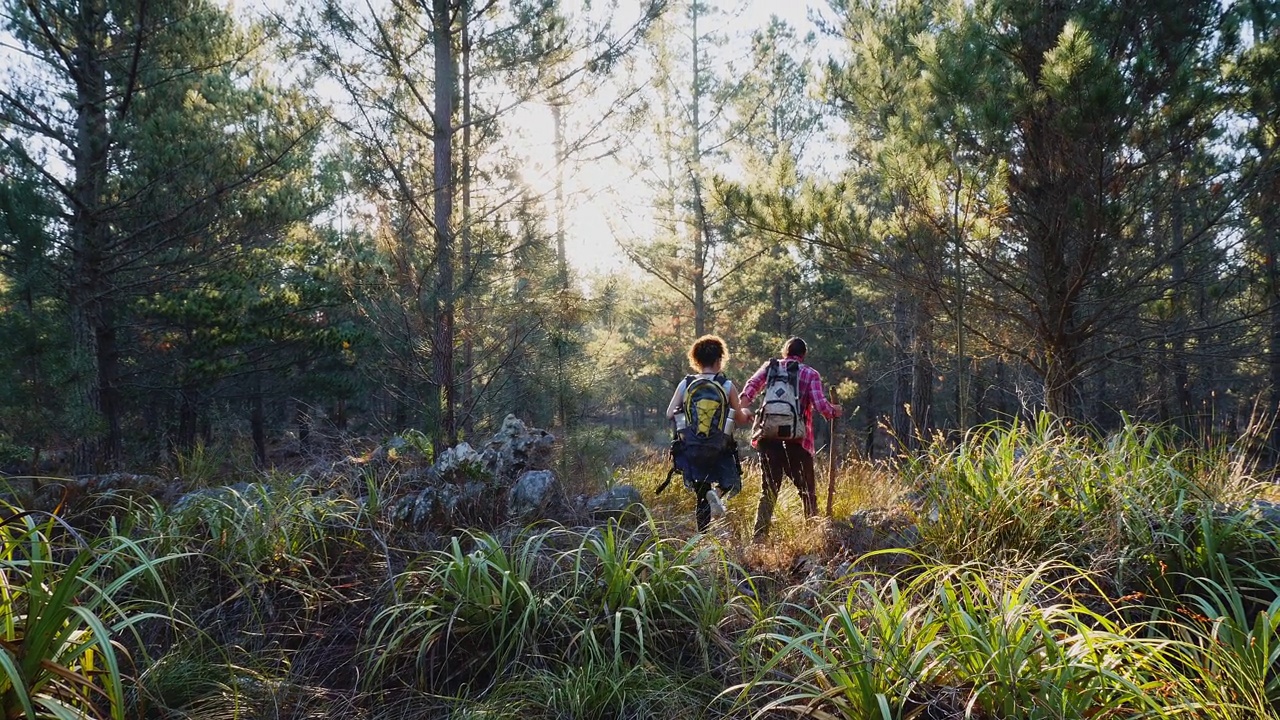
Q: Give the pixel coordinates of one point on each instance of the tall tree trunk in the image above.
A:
(1273, 346)
(109, 381)
(1001, 404)
(98, 444)
(902, 363)
(779, 322)
(468, 311)
(188, 417)
(962, 369)
(562, 260)
(1181, 376)
(1101, 399)
(922, 371)
(258, 424)
(1061, 396)
(562, 271)
(701, 235)
(302, 420)
(442, 141)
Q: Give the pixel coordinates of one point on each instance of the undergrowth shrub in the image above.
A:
(72, 612)
(594, 690)
(1039, 642)
(265, 569)
(192, 678)
(254, 526)
(1046, 490)
(1060, 575)
(608, 595)
(588, 457)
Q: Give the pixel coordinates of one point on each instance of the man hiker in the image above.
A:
(705, 409)
(783, 432)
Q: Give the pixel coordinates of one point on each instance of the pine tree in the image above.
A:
(164, 119)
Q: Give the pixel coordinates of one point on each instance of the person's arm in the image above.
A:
(741, 416)
(813, 382)
(676, 400)
(754, 385)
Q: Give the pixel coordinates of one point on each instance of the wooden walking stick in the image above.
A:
(831, 457)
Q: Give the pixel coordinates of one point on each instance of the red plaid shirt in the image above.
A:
(811, 396)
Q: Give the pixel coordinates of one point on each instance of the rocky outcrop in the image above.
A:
(517, 447)
(509, 480)
(49, 494)
(1267, 513)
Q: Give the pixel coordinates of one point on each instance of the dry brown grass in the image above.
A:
(859, 485)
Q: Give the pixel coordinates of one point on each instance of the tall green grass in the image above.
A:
(254, 529)
(978, 641)
(608, 597)
(1046, 490)
(72, 613)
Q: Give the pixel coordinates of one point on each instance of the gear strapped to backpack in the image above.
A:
(780, 417)
(704, 440)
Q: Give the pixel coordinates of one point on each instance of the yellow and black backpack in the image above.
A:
(701, 443)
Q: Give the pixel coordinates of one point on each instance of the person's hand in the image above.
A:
(836, 411)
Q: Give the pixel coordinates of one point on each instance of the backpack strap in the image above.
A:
(670, 474)
(684, 394)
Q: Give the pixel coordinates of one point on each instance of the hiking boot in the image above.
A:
(713, 499)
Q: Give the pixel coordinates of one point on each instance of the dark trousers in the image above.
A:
(702, 513)
(726, 473)
(778, 458)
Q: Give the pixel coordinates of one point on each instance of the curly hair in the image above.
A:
(706, 351)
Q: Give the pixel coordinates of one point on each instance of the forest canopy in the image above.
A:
(224, 225)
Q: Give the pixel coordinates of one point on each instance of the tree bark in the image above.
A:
(1061, 396)
(902, 356)
(468, 262)
(188, 418)
(1181, 374)
(1273, 345)
(445, 85)
(258, 425)
(700, 234)
(922, 372)
(562, 260)
(99, 442)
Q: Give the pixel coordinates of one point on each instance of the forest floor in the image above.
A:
(1127, 576)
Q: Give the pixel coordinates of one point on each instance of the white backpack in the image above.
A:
(780, 417)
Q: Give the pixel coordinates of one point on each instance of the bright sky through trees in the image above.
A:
(605, 198)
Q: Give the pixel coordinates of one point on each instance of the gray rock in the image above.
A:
(446, 505)
(51, 494)
(459, 464)
(534, 493)
(1267, 512)
(414, 510)
(509, 479)
(877, 529)
(516, 448)
(813, 581)
(240, 493)
(622, 502)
